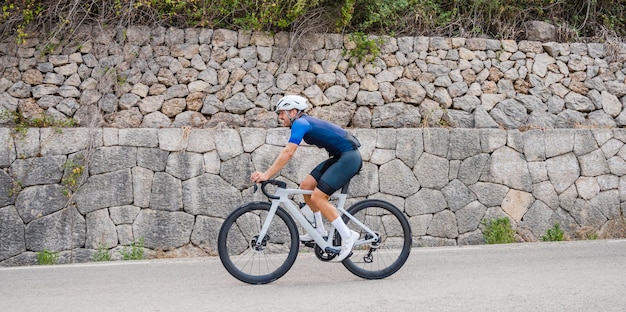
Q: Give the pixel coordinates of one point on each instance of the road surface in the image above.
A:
(565, 276)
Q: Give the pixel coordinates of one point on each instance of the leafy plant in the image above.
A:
(102, 254)
(21, 124)
(498, 231)
(554, 234)
(134, 251)
(47, 257)
(366, 47)
(71, 181)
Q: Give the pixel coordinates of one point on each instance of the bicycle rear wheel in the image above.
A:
(385, 257)
(252, 263)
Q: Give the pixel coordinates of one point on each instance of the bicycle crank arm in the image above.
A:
(332, 250)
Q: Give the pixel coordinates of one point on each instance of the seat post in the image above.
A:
(344, 189)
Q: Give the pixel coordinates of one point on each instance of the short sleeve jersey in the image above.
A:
(320, 133)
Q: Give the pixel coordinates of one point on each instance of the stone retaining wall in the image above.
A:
(158, 77)
(173, 187)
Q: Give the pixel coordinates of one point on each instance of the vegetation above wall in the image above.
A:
(575, 19)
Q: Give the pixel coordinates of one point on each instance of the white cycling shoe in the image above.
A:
(346, 246)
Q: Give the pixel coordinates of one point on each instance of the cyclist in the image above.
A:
(327, 177)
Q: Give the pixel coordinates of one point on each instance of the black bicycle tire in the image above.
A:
(349, 263)
(225, 257)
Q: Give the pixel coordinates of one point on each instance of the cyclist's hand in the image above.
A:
(259, 177)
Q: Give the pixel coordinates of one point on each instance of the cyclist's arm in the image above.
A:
(282, 159)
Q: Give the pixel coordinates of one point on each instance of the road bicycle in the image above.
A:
(259, 241)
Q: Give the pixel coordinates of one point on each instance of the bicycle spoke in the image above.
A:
(249, 259)
(384, 257)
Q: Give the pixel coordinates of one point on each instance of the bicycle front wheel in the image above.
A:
(256, 263)
(387, 255)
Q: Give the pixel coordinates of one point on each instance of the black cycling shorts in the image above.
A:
(333, 173)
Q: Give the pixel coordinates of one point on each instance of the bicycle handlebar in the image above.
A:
(280, 184)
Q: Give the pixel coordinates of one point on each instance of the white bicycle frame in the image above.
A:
(326, 245)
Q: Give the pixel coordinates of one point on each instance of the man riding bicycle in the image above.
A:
(327, 177)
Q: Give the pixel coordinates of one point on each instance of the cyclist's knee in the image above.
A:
(319, 196)
(308, 183)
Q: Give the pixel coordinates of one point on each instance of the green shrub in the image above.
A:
(498, 231)
(47, 257)
(102, 254)
(134, 251)
(554, 234)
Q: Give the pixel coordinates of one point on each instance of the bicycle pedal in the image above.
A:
(310, 244)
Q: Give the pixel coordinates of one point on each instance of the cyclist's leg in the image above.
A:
(333, 178)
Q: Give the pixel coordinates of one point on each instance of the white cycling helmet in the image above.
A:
(290, 102)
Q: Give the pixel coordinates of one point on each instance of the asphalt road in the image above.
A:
(566, 276)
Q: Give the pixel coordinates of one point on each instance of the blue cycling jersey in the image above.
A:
(322, 134)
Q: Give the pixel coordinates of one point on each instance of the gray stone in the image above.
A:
(593, 164)
(66, 141)
(584, 142)
(396, 178)
(426, 201)
(142, 186)
(489, 194)
(432, 171)
(534, 146)
(130, 118)
(365, 183)
(139, 137)
(444, 225)
(205, 230)
(230, 143)
(396, 115)
(617, 165)
(482, 119)
(457, 195)
(537, 218)
(468, 218)
(471, 168)
(125, 234)
(124, 214)
(34, 202)
(101, 231)
(546, 193)
(409, 145)
(50, 170)
(585, 213)
(608, 203)
(563, 171)
(185, 165)
(105, 190)
(238, 104)
(112, 158)
(492, 139)
(155, 120)
(152, 158)
(8, 189)
(508, 167)
(219, 202)
(53, 233)
(366, 98)
(464, 143)
(569, 119)
(558, 142)
(436, 141)
(166, 193)
(510, 114)
(163, 229)
(237, 171)
(578, 102)
(12, 240)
